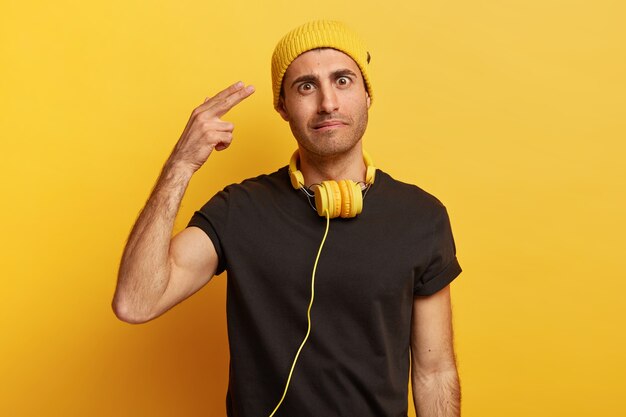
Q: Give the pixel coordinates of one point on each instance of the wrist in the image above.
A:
(178, 169)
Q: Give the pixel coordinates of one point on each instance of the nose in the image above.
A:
(328, 99)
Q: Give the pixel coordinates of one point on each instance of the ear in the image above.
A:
(282, 110)
(368, 99)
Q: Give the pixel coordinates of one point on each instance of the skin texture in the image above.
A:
(434, 376)
(326, 105)
(157, 272)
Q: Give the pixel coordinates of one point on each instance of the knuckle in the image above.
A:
(229, 101)
(205, 126)
(197, 110)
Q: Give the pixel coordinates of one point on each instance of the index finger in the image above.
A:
(226, 103)
(228, 91)
(210, 102)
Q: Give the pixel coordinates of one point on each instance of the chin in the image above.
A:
(328, 147)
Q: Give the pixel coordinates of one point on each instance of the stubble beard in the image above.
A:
(332, 142)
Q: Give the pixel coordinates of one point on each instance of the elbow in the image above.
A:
(127, 314)
(435, 376)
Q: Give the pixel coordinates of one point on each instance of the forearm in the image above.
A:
(144, 270)
(437, 394)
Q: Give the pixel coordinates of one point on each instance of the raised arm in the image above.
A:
(436, 389)
(156, 271)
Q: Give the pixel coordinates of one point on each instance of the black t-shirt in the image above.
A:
(356, 361)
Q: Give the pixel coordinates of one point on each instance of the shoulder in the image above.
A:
(406, 195)
(265, 187)
(277, 181)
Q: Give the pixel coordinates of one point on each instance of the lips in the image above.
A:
(329, 124)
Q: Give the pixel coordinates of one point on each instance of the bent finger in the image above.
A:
(221, 146)
(222, 126)
(221, 137)
(224, 142)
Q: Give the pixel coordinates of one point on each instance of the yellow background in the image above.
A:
(511, 112)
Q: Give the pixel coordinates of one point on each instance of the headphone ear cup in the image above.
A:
(370, 173)
(321, 200)
(346, 200)
(328, 198)
(356, 198)
(340, 199)
(351, 198)
(297, 179)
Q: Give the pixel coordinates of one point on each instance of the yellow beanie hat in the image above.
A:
(313, 35)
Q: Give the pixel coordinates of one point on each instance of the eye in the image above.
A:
(344, 81)
(305, 88)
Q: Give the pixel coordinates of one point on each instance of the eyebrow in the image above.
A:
(311, 78)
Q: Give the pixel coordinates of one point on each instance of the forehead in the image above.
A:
(320, 62)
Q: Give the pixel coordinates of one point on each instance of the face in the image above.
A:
(325, 102)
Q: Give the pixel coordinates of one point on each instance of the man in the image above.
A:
(380, 280)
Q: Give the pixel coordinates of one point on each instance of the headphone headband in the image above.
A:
(341, 198)
(297, 179)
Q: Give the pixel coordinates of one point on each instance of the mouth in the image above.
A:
(329, 125)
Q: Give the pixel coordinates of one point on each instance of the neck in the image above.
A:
(346, 166)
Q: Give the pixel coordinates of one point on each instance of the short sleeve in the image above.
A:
(212, 218)
(443, 266)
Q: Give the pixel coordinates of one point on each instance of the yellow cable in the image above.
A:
(308, 314)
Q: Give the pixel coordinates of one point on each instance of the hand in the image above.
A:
(205, 130)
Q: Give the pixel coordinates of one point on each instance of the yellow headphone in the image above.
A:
(341, 198)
